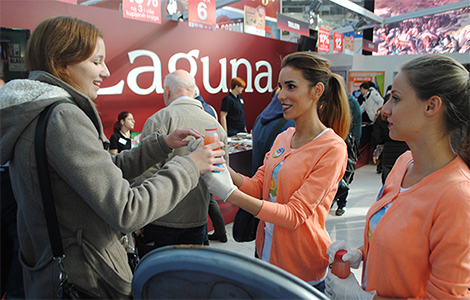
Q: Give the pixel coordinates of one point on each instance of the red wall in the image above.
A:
(163, 41)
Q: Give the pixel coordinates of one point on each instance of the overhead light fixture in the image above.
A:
(359, 24)
(315, 6)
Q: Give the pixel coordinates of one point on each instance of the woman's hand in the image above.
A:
(177, 138)
(206, 158)
(354, 256)
(349, 288)
(219, 184)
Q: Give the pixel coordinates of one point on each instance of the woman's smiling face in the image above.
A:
(89, 74)
(296, 95)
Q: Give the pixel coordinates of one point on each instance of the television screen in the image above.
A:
(447, 32)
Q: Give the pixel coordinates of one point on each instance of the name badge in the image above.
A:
(122, 141)
(278, 152)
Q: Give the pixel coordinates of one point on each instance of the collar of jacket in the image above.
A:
(82, 101)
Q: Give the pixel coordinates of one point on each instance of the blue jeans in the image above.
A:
(320, 286)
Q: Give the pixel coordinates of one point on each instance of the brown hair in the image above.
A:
(122, 116)
(237, 81)
(58, 42)
(438, 75)
(333, 105)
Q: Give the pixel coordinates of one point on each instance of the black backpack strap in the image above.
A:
(44, 183)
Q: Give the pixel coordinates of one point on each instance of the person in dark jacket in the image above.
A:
(388, 149)
(352, 142)
(266, 121)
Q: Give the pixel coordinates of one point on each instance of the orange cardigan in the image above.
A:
(421, 246)
(307, 184)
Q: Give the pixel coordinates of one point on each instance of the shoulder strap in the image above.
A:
(44, 183)
(273, 134)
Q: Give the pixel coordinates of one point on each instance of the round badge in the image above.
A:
(278, 152)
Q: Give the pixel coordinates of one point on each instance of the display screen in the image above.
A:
(447, 32)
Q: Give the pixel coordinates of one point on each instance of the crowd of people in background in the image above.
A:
(162, 188)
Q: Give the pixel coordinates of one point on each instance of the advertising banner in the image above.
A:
(271, 6)
(337, 42)
(201, 14)
(142, 10)
(323, 40)
(356, 78)
(255, 20)
(349, 44)
(293, 25)
(369, 46)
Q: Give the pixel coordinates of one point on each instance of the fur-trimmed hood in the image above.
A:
(22, 100)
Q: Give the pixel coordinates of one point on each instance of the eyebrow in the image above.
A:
(287, 82)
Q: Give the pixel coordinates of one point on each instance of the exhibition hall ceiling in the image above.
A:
(333, 14)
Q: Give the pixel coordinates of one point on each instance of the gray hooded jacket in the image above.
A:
(94, 202)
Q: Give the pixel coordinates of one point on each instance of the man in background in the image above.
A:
(186, 223)
(220, 233)
(372, 100)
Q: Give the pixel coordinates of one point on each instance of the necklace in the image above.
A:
(127, 135)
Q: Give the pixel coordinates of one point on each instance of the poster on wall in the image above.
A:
(255, 20)
(201, 14)
(323, 40)
(337, 43)
(148, 10)
(356, 78)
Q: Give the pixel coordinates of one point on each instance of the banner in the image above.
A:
(349, 44)
(201, 14)
(337, 42)
(293, 25)
(255, 20)
(323, 40)
(142, 10)
(369, 46)
(271, 6)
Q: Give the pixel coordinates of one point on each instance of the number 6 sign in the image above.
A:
(201, 14)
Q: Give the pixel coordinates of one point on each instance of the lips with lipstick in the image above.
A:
(286, 107)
